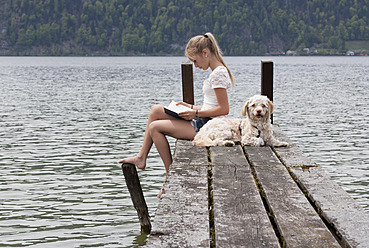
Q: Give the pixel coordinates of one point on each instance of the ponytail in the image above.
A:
(200, 42)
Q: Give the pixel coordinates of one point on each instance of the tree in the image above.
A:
(22, 39)
(164, 26)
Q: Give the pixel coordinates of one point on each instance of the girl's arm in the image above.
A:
(223, 105)
(222, 109)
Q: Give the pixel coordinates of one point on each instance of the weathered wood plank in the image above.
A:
(239, 215)
(187, 83)
(336, 206)
(267, 68)
(138, 199)
(298, 222)
(182, 217)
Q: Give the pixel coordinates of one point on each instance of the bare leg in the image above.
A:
(158, 126)
(156, 113)
(174, 128)
(162, 187)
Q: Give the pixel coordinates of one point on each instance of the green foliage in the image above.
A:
(156, 27)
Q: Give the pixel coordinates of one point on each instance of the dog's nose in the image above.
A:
(259, 111)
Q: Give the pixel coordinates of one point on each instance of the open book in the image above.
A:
(173, 109)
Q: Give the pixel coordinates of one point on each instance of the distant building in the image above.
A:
(291, 53)
(350, 53)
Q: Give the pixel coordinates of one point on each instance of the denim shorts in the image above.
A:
(198, 122)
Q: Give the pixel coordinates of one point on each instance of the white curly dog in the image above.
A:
(255, 130)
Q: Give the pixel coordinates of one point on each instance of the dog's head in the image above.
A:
(258, 108)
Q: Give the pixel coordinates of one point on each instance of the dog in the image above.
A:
(255, 130)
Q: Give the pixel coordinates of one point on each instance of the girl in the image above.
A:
(204, 52)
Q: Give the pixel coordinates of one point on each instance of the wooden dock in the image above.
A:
(248, 196)
(254, 197)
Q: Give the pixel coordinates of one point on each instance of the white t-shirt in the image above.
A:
(219, 78)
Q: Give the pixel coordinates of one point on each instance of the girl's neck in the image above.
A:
(215, 64)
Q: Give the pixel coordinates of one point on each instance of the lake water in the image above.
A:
(65, 121)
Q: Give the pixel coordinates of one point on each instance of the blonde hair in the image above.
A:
(198, 43)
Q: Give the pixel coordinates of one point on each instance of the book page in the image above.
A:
(177, 108)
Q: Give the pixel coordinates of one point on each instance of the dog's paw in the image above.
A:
(253, 142)
(259, 142)
(280, 144)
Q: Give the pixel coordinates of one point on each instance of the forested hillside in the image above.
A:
(160, 27)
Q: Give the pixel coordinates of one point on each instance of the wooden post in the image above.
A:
(267, 80)
(135, 190)
(187, 83)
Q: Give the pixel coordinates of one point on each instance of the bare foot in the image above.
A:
(136, 160)
(161, 190)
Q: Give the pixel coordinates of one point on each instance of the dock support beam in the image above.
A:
(187, 83)
(267, 80)
(135, 190)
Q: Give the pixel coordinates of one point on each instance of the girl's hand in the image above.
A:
(184, 104)
(188, 115)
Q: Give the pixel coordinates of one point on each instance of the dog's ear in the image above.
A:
(270, 107)
(245, 108)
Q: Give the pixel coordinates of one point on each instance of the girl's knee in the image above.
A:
(156, 110)
(154, 127)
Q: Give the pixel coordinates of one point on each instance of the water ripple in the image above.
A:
(64, 122)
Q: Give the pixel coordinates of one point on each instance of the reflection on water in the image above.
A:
(64, 122)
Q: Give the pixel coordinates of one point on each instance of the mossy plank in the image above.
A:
(182, 218)
(239, 215)
(338, 208)
(298, 222)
